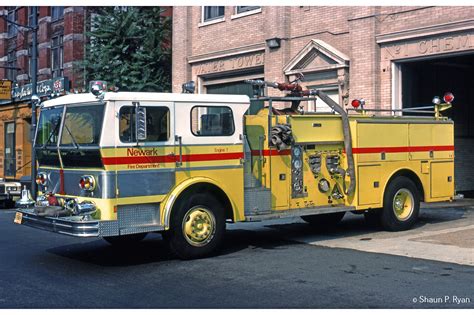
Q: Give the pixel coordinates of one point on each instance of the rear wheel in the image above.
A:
(197, 226)
(324, 220)
(125, 240)
(401, 205)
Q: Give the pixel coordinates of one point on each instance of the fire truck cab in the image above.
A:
(118, 165)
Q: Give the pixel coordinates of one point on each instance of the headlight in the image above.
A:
(41, 178)
(87, 183)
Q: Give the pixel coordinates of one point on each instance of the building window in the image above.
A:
(30, 16)
(30, 58)
(212, 13)
(9, 157)
(320, 106)
(57, 56)
(11, 63)
(12, 29)
(57, 13)
(247, 8)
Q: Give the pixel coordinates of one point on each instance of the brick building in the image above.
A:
(393, 57)
(60, 46)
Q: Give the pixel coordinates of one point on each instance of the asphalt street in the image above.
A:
(262, 265)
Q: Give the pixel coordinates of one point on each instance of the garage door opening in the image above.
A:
(421, 80)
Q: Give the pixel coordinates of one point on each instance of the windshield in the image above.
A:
(82, 126)
(78, 132)
(48, 127)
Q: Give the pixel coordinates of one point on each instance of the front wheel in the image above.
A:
(401, 205)
(197, 226)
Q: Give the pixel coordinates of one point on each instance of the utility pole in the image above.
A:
(34, 83)
(34, 96)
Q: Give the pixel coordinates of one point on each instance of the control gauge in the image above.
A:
(297, 151)
(297, 164)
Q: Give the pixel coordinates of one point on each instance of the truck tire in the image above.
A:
(197, 227)
(324, 220)
(401, 205)
(125, 240)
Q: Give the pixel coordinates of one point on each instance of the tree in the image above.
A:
(130, 47)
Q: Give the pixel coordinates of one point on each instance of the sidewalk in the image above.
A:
(442, 234)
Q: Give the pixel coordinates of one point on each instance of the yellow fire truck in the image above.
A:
(119, 165)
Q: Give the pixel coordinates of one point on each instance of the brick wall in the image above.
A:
(352, 30)
(71, 26)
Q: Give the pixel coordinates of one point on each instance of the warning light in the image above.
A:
(356, 103)
(448, 97)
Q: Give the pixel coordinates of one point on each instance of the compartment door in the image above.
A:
(369, 191)
(442, 179)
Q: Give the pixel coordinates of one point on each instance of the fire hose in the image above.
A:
(282, 136)
(296, 90)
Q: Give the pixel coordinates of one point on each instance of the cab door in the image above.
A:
(145, 169)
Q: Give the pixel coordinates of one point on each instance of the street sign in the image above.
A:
(5, 90)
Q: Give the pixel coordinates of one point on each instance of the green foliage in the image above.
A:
(130, 47)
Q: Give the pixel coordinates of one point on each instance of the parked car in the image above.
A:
(9, 193)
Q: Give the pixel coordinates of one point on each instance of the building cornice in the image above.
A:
(74, 37)
(426, 31)
(227, 53)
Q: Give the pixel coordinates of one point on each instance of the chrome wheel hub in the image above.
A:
(199, 226)
(403, 204)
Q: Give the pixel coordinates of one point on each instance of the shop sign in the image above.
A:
(5, 90)
(236, 63)
(43, 88)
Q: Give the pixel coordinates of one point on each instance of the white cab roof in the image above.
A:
(147, 96)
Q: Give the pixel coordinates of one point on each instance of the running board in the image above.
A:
(297, 213)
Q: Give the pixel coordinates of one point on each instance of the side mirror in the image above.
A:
(140, 122)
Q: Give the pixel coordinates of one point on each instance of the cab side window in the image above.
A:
(157, 124)
(212, 121)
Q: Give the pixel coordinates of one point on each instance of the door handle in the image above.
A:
(180, 143)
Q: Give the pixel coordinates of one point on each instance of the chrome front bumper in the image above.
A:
(71, 225)
(131, 220)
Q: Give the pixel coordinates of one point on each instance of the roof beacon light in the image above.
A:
(448, 97)
(97, 87)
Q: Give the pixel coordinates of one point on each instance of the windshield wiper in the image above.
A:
(74, 142)
(51, 134)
